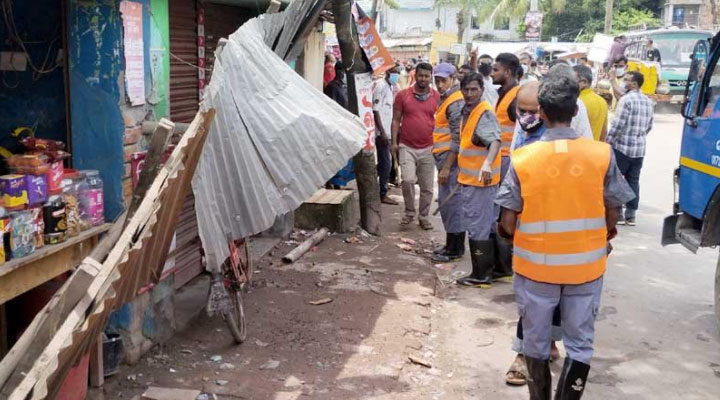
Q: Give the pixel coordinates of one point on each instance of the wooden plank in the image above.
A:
(51, 249)
(159, 393)
(153, 162)
(97, 376)
(28, 276)
(24, 352)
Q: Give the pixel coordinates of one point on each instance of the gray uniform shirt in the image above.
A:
(487, 129)
(453, 113)
(616, 191)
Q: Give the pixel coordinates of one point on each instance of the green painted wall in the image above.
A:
(160, 57)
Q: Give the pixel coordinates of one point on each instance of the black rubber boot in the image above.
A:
(444, 249)
(572, 380)
(460, 241)
(455, 248)
(539, 380)
(503, 258)
(482, 257)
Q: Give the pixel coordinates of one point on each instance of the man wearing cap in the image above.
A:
(446, 145)
(560, 202)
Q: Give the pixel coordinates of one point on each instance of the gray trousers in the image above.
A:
(450, 212)
(478, 211)
(417, 166)
(578, 307)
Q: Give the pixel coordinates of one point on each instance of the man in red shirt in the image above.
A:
(412, 141)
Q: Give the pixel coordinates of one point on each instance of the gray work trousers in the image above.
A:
(478, 211)
(417, 166)
(450, 210)
(579, 305)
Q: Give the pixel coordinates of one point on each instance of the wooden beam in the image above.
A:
(97, 375)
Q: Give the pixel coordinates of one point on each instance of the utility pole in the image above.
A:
(373, 11)
(608, 16)
(365, 169)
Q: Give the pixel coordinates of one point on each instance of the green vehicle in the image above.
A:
(675, 46)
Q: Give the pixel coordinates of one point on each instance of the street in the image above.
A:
(656, 336)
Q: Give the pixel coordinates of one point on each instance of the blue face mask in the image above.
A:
(394, 78)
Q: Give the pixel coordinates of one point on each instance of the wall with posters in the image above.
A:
(105, 127)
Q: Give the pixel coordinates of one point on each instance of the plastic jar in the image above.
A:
(92, 207)
(72, 208)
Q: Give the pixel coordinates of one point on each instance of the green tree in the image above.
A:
(465, 10)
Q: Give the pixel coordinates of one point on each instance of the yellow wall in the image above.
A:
(441, 40)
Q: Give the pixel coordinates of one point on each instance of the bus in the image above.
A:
(676, 48)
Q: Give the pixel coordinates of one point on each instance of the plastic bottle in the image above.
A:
(91, 198)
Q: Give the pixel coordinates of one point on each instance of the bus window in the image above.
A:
(676, 51)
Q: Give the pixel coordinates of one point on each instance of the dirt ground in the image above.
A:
(357, 346)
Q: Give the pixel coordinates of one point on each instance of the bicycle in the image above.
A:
(228, 284)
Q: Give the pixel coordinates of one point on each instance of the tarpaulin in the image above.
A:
(275, 140)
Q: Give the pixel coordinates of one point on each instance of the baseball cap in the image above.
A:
(444, 70)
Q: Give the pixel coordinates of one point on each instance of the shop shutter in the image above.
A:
(184, 104)
(184, 97)
(220, 22)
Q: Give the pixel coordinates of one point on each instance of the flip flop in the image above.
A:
(406, 220)
(516, 375)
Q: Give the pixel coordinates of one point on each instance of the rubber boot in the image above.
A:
(572, 380)
(503, 258)
(444, 249)
(460, 237)
(482, 256)
(455, 247)
(539, 380)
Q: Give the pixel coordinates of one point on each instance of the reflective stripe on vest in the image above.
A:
(507, 126)
(442, 134)
(471, 157)
(561, 236)
(561, 259)
(570, 225)
(476, 172)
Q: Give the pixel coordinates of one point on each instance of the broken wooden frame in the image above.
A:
(135, 259)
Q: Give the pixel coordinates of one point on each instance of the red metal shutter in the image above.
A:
(188, 259)
(184, 100)
(221, 21)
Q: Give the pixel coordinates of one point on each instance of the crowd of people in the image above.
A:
(531, 170)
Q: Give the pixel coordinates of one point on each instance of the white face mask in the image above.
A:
(626, 86)
(620, 71)
(525, 68)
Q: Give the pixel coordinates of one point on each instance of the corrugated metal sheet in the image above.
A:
(274, 142)
(184, 101)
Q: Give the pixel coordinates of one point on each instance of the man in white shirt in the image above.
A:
(383, 99)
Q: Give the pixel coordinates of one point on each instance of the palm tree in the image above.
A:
(493, 9)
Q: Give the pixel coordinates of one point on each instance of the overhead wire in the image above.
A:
(14, 35)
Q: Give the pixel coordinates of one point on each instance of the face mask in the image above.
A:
(525, 69)
(344, 79)
(626, 86)
(394, 78)
(620, 71)
(485, 69)
(530, 122)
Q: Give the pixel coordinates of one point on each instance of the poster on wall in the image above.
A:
(132, 15)
(533, 25)
(363, 89)
(371, 43)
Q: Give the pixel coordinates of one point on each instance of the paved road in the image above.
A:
(656, 334)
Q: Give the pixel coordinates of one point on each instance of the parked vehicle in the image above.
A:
(695, 221)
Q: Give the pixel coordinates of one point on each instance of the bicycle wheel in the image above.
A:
(235, 318)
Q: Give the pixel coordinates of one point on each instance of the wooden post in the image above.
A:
(97, 376)
(365, 168)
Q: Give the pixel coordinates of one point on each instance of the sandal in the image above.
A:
(406, 220)
(517, 373)
(425, 224)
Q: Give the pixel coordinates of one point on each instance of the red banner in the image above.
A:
(372, 45)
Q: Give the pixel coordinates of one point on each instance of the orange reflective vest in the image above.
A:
(441, 133)
(561, 236)
(507, 127)
(471, 157)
